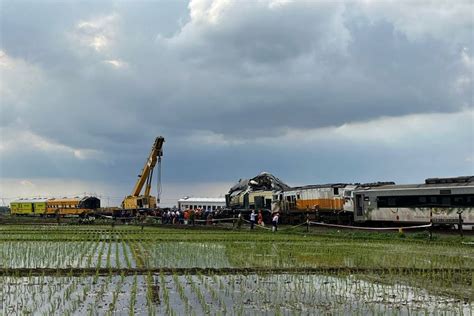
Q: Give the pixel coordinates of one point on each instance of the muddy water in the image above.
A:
(286, 294)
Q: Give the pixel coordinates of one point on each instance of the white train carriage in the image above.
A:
(440, 201)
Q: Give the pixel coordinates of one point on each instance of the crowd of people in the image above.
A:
(188, 216)
(192, 216)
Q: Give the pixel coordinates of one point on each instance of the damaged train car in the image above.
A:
(326, 202)
(331, 203)
(442, 201)
(255, 193)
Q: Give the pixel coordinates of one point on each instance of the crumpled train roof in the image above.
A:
(264, 181)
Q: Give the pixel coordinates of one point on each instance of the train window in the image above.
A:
(426, 201)
(359, 204)
(446, 201)
(298, 196)
(336, 191)
(458, 200)
(470, 200)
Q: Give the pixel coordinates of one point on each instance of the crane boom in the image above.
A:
(147, 171)
(146, 201)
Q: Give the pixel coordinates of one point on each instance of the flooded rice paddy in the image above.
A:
(97, 270)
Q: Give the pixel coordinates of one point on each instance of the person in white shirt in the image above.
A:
(252, 219)
(275, 222)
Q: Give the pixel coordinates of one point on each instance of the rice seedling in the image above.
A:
(97, 270)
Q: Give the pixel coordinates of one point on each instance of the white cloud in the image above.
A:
(267, 74)
(260, 31)
(16, 137)
(5, 60)
(19, 79)
(210, 138)
(404, 129)
(116, 63)
(98, 33)
(27, 183)
(385, 131)
(450, 21)
(465, 81)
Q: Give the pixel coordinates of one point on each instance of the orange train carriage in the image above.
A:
(52, 207)
(72, 206)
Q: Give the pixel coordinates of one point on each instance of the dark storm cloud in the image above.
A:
(94, 82)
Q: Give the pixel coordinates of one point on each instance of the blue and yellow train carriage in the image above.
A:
(37, 206)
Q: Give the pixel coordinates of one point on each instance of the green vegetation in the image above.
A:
(75, 269)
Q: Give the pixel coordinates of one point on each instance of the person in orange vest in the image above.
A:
(260, 218)
(192, 216)
(186, 217)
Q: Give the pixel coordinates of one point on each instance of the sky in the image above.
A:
(311, 91)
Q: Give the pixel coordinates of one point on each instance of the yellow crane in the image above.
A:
(146, 201)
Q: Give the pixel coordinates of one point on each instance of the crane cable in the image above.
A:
(158, 180)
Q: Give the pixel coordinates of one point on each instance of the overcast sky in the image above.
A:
(311, 91)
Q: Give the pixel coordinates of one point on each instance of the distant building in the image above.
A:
(210, 204)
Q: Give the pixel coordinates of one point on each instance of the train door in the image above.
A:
(246, 201)
(268, 203)
(359, 205)
(259, 202)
